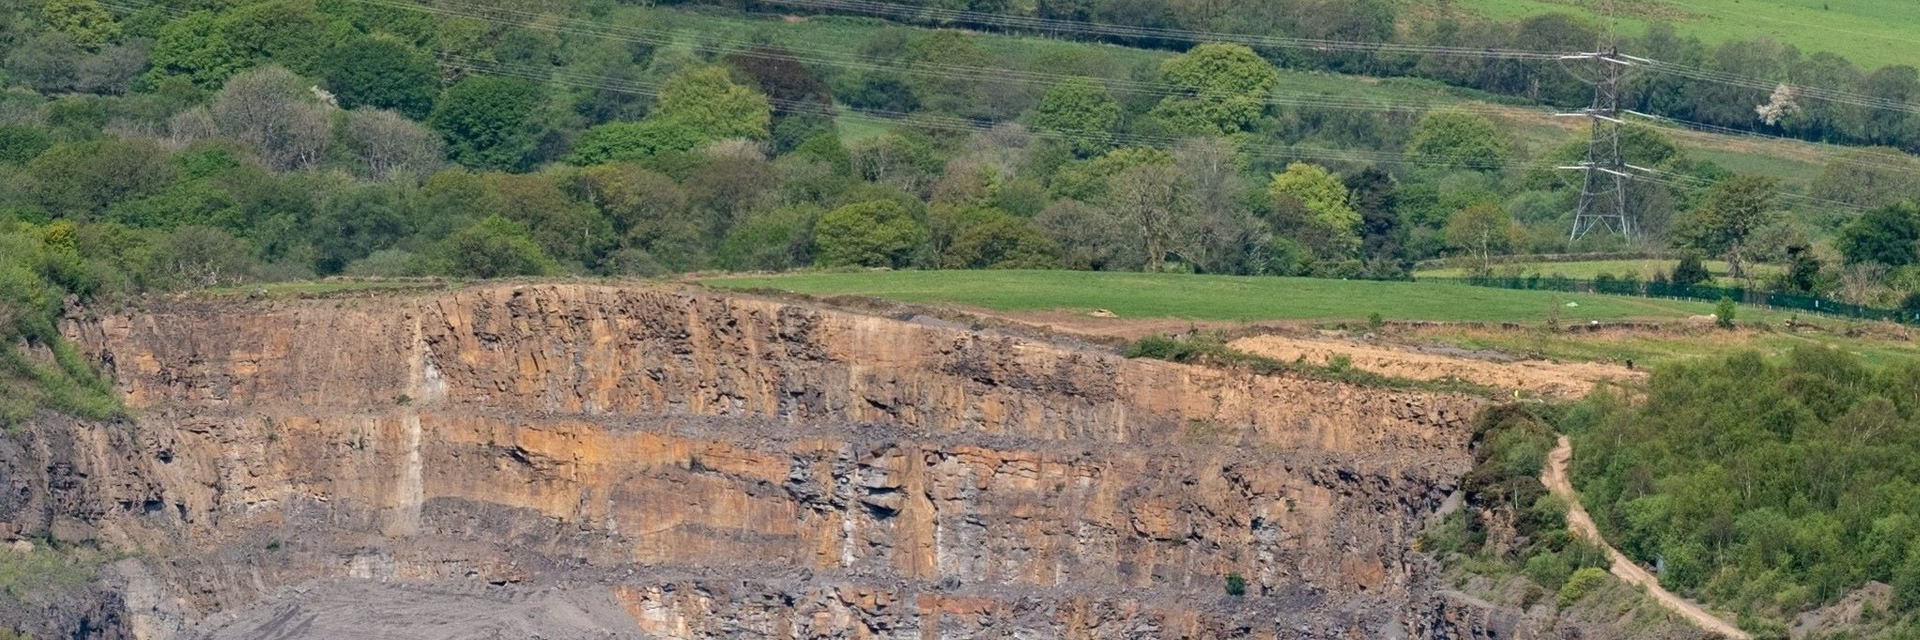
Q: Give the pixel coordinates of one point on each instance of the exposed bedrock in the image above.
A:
(633, 462)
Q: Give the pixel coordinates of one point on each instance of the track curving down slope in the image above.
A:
(1555, 477)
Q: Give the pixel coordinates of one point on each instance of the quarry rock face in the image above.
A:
(575, 461)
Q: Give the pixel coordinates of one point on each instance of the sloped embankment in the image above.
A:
(646, 462)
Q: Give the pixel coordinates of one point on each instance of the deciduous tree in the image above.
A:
(868, 234)
(488, 122)
(1082, 112)
(381, 71)
(273, 110)
(1734, 210)
(1889, 235)
(1482, 229)
(1459, 139)
(1224, 89)
(385, 145)
(707, 100)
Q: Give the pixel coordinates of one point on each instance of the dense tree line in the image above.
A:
(1766, 486)
(408, 143)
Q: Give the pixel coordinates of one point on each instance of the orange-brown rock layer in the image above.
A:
(731, 467)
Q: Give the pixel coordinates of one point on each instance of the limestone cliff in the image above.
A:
(635, 462)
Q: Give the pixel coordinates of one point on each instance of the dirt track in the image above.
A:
(1555, 477)
(1544, 378)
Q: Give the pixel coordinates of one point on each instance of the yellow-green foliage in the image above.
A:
(1583, 582)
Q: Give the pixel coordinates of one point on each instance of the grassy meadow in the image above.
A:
(1223, 298)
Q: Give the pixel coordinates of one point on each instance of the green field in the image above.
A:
(1225, 298)
(1872, 33)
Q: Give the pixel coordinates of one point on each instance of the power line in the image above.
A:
(1178, 35)
(821, 56)
(1900, 163)
(1320, 45)
(968, 125)
(1799, 90)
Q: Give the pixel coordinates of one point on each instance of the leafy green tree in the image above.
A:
(775, 240)
(1005, 242)
(20, 143)
(113, 70)
(1483, 229)
(87, 22)
(208, 48)
(1082, 111)
(1324, 198)
(495, 247)
(194, 47)
(82, 180)
(188, 203)
(281, 31)
(1803, 269)
(868, 234)
(707, 100)
(1889, 235)
(356, 223)
(1723, 313)
(1734, 210)
(1224, 89)
(489, 122)
(648, 213)
(633, 141)
(572, 232)
(1460, 139)
(883, 91)
(381, 71)
(828, 148)
(1376, 196)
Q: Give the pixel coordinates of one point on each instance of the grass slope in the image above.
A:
(1228, 298)
(1872, 33)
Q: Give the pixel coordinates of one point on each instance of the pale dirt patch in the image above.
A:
(1558, 379)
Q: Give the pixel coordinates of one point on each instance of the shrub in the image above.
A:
(1236, 585)
(1165, 348)
(1690, 271)
(1723, 313)
(1581, 583)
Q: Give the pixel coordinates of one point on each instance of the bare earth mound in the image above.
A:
(1545, 378)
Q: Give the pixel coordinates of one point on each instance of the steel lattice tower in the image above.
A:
(1603, 197)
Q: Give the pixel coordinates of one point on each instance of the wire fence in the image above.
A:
(1705, 293)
